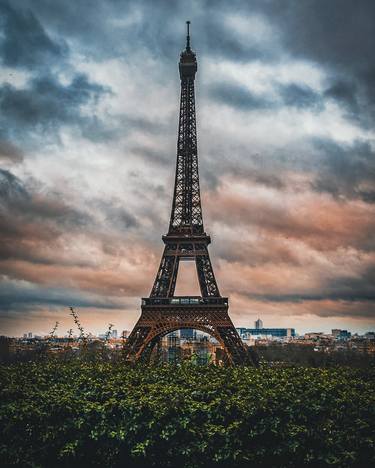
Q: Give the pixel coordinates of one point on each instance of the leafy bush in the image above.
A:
(101, 414)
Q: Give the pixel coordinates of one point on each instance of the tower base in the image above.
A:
(160, 316)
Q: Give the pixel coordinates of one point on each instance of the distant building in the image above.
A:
(258, 324)
(25, 335)
(370, 335)
(114, 334)
(275, 332)
(314, 336)
(173, 347)
(341, 334)
(29, 335)
(187, 334)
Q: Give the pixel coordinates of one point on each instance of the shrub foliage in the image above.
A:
(109, 415)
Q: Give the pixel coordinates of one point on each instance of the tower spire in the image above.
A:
(188, 36)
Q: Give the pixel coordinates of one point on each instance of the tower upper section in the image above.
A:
(186, 238)
(188, 61)
(186, 215)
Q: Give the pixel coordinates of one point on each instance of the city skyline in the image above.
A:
(251, 325)
(286, 152)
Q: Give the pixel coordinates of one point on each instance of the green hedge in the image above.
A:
(102, 414)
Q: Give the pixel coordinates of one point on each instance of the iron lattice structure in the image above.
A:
(163, 312)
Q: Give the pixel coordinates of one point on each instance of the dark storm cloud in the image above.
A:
(10, 152)
(17, 200)
(11, 188)
(338, 32)
(350, 289)
(24, 42)
(40, 262)
(18, 297)
(45, 104)
(31, 222)
(160, 158)
(145, 125)
(346, 170)
(339, 35)
(221, 40)
(92, 28)
(355, 99)
(115, 214)
(345, 93)
(155, 25)
(329, 37)
(329, 305)
(34, 226)
(249, 168)
(355, 288)
(237, 96)
(294, 95)
(359, 287)
(240, 97)
(352, 295)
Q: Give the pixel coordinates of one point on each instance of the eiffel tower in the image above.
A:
(163, 312)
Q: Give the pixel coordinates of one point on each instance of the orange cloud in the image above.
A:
(318, 220)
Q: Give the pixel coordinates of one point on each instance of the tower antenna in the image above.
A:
(188, 35)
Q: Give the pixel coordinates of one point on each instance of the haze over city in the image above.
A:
(89, 101)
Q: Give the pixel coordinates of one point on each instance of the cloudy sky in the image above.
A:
(89, 96)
